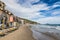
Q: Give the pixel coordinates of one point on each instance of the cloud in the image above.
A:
(56, 12)
(50, 20)
(26, 3)
(22, 11)
(25, 9)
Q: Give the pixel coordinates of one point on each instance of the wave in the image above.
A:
(45, 27)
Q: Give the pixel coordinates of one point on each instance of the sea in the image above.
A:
(50, 31)
(45, 27)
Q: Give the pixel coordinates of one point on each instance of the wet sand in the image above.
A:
(45, 35)
(23, 33)
(41, 36)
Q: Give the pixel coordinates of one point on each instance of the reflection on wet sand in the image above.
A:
(44, 33)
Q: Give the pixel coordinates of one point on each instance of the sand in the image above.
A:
(23, 33)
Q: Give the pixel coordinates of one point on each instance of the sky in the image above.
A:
(41, 11)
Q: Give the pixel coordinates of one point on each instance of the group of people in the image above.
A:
(7, 19)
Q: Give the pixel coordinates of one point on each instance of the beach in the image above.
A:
(27, 32)
(23, 33)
